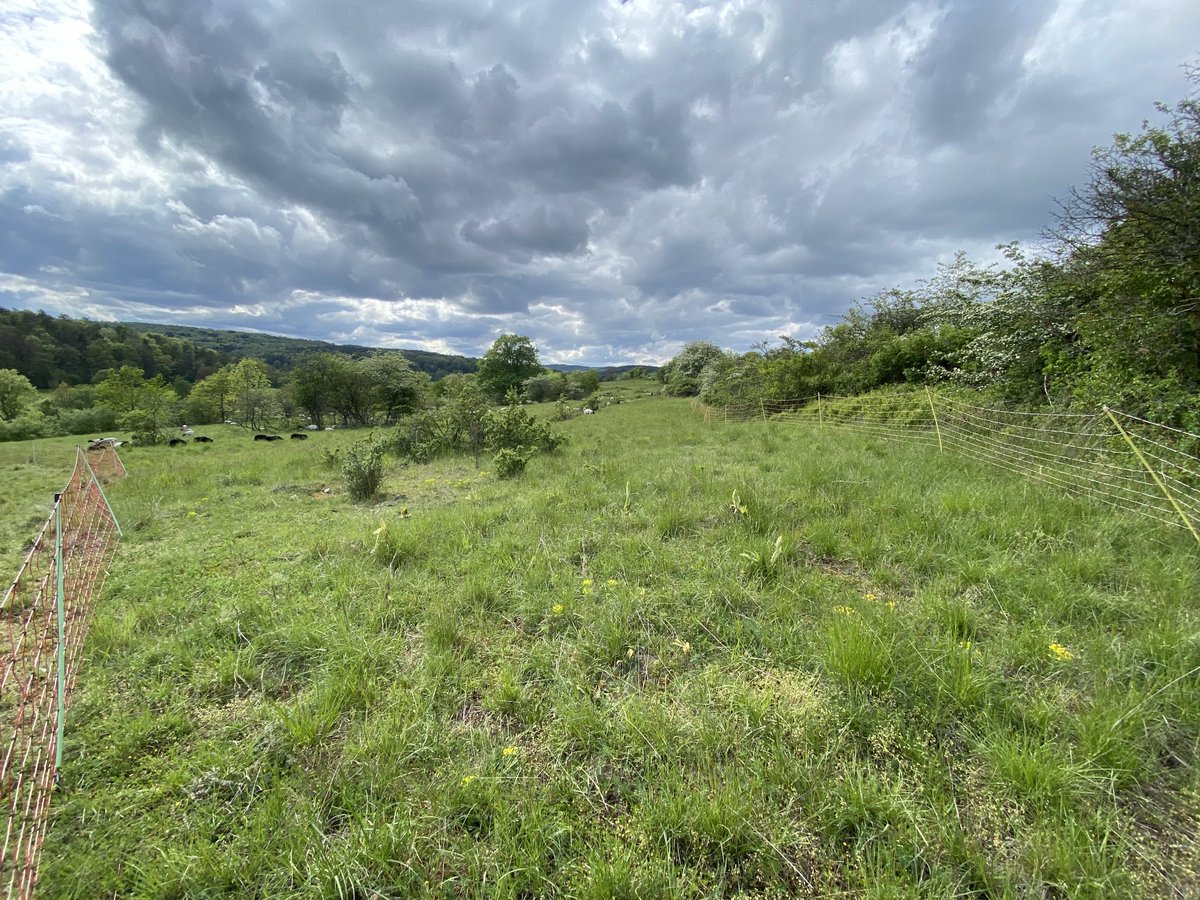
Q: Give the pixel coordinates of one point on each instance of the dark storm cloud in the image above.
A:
(611, 179)
(973, 59)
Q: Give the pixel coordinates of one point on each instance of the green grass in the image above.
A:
(675, 659)
(30, 473)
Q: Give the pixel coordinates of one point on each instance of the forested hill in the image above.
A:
(283, 353)
(51, 350)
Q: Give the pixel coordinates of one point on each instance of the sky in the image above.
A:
(611, 179)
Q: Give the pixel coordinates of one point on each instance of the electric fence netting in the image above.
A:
(1115, 458)
(45, 615)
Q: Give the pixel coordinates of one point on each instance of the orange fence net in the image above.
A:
(44, 616)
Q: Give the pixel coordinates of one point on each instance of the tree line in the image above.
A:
(1108, 311)
(322, 389)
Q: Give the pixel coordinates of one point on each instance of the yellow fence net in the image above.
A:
(1113, 457)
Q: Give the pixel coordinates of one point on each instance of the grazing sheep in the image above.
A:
(201, 439)
(104, 443)
(588, 412)
(185, 431)
(176, 442)
(312, 427)
(296, 436)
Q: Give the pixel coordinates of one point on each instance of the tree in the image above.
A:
(682, 374)
(211, 400)
(314, 385)
(544, 388)
(1131, 242)
(144, 406)
(254, 401)
(15, 393)
(397, 389)
(588, 381)
(511, 360)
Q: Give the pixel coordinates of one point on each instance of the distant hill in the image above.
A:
(607, 373)
(284, 353)
(52, 350)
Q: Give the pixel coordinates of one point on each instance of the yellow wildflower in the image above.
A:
(509, 751)
(467, 779)
(557, 609)
(891, 604)
(612, 582)
(844, 610)
(870, 597)
(1058, 651)
(587, 582)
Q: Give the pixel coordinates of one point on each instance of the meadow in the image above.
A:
(673, 659)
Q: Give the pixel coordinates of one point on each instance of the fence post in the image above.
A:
(62, 632)
(1161, 486)
(820, 413)
(936, 426)
(763, 407)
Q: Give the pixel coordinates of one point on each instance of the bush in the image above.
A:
(87, 421)
(510, 462)
(29, 424)
(512, 428)
(363, 469)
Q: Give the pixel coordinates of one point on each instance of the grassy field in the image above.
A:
(675, 659)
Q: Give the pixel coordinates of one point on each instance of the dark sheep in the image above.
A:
(267, 437)
(176, 442)
(201, 439)
(299, 437)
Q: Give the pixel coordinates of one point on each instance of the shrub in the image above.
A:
(363, 469)
(29, 424)
(87, 421)
(510, 462)
(512, 428)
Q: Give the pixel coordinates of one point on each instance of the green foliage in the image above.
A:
(544, 388)
(254, 401)
(31, 423)
(99, 420)
(587, 381)
(143, 406)
(512, 427)
(510, 361)
(55, 350)
(683, 374)
(283, 353)
(15, 394)
(362, 469)
(511, 461)
(396, 388)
